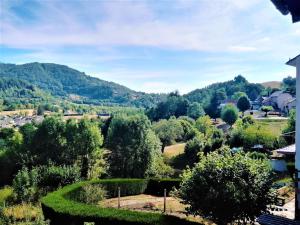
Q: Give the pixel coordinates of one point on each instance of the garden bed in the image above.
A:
(60, 208)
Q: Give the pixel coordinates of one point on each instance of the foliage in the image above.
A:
(52, 176)
(251, 135)
(91, 194)
(243, 104)
(289, 136)
(168, 131)
(237, 95)
(22, 214)
(5, 194)
(266, 109)
(239, 84)
(25, 185)
(63, 81)
(195, 110)
(213, 108)
(133, 146)
(174, 105)
(229, 114)
(193, 147)
(289, 85)
(204, 124)
(221, 181)
(60, 209)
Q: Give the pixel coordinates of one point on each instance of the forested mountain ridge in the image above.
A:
(63, 81)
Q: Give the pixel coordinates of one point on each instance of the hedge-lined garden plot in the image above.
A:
(61, 208)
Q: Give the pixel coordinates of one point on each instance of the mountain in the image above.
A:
(229, 88)
(65, 82)
(272, 84)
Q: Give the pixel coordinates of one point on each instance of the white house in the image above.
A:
(278, 100)
(296, 63)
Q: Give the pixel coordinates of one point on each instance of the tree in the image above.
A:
(266, 109)
(133, 146)
(84, 139)
(195, 110)
(226, 187)
(238, 94)
(213, 109)
(193, 147)
(168, 131)
(204, 124)
(229, 114)
(243, 104)
(289, 85)
(289, 130)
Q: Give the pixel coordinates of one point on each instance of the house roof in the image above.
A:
(292, 62)
(288, 150)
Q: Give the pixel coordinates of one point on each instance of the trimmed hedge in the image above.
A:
(59, 207)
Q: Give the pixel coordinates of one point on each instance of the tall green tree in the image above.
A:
(243, 104)
(195, 110)
(84, 139)
(133, 146)
(229, 114)
(213, 109)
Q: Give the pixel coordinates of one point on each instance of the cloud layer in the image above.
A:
(151, 41)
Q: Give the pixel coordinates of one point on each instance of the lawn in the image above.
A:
(174, 150)
(274, 125)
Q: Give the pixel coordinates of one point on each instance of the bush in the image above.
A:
(62, 210)
(229, 114)
(25, 185)
(91, 194)
(226, 188)
(54, 176)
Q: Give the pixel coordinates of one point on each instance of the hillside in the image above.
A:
(272, 84)
(229, 88)
(15, 92)
(68, 83)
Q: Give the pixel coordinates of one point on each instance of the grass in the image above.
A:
(5, 193)
(275, 126)
(22, 212)
(174, 150)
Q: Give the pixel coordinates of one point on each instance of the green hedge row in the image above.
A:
(59, 207)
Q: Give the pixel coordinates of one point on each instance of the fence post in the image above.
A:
(119, 195)
(165, 200)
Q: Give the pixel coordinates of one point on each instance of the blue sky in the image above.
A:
(152, 46)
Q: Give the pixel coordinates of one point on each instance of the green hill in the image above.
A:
(16, 93)
(238, 84)
(68, 83)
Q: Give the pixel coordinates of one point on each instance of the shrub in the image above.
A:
(54, 176)
(229, 114)
(225, 187)
(62, 210)
(91, 194)
(25, 185)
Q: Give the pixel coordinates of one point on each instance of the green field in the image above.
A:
(276, 126)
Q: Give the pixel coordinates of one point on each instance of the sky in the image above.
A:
(155, 46)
